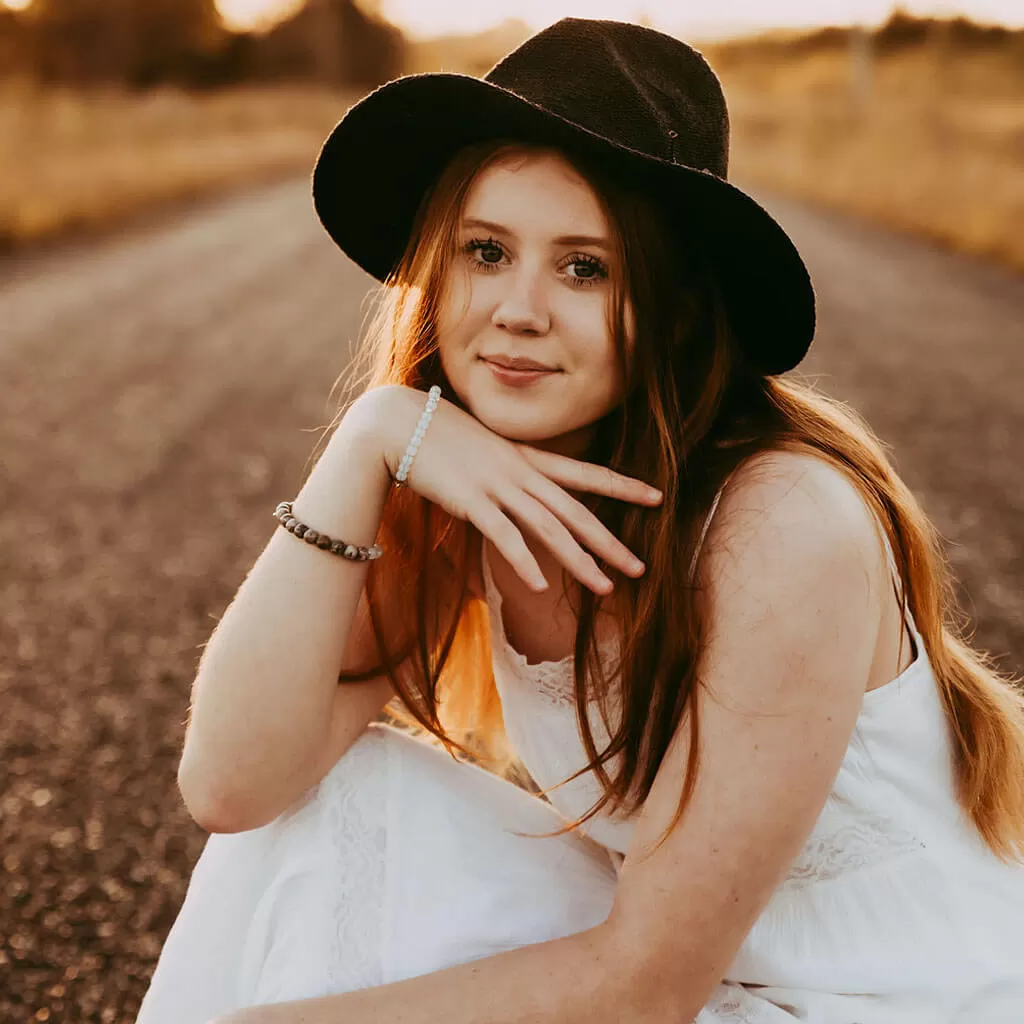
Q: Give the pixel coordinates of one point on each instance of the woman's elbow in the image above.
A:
(215, 812)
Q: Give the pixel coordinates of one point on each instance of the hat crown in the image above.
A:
(638, 87)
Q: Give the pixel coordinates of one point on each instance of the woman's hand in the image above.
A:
(480, 476)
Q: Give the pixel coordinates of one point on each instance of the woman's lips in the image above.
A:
(517, 378)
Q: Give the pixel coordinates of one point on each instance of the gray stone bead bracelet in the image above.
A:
(353, 552)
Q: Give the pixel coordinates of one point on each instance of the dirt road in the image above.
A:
(161, 391)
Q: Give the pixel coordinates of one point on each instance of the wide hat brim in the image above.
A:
(391, 146)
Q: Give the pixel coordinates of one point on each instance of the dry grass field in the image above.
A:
(75, 159)
(928, 138)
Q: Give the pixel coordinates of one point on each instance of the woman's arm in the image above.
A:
(574, 980)
(797, 575)
(266, 691)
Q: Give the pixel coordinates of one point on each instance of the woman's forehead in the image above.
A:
(536, 187)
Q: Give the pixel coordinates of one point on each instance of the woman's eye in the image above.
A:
(587, 270)
(490, 252)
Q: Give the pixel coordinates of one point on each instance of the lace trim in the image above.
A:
(551, 680)
(859, 842)
(354, 803)
(733, 1004)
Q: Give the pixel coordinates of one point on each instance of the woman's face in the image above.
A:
(531, 279)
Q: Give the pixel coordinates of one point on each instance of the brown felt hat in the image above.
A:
(645, 104)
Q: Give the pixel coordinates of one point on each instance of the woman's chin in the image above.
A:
(525, 429)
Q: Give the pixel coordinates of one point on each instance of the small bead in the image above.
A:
(310, 536)
(337, 546)
(351, 551)
(300, 529)
(323, 542)
(289, 523)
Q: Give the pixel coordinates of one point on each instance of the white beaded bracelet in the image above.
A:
(433, 396)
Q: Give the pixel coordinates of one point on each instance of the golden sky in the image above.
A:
(423, 18)
(711, 18)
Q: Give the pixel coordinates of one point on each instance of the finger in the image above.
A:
(586, 476)
(492, 522)
(584, 524)
(534, 516)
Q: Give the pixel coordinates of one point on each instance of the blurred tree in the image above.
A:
(138, 42)
(13, 59)
(334, 41)
(144, 42)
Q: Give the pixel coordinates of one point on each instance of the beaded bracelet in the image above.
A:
(353, 552)
(433, 396)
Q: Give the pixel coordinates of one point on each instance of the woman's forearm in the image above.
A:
(580, 979)
(263, 692)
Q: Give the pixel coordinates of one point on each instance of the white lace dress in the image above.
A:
(404, 861)
(894, 912)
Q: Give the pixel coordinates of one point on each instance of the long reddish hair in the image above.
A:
(693, 412)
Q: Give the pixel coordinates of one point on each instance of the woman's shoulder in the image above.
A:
(795, 501)
(794, 567)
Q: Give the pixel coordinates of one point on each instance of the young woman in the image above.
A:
(777, 783)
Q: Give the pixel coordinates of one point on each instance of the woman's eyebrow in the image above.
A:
(594, 240)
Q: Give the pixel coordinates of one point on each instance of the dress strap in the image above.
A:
(707, 524)
(897, 582)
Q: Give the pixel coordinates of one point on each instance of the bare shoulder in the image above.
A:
(788, 512)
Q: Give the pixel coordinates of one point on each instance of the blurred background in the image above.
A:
(172, 319)
(106, 106)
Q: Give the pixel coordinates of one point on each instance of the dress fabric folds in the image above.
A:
(402, 861)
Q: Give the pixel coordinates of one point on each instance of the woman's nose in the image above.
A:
(523, 305)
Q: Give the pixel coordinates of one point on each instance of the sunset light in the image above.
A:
(243, 15)
(421, 19)
(425, 18)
